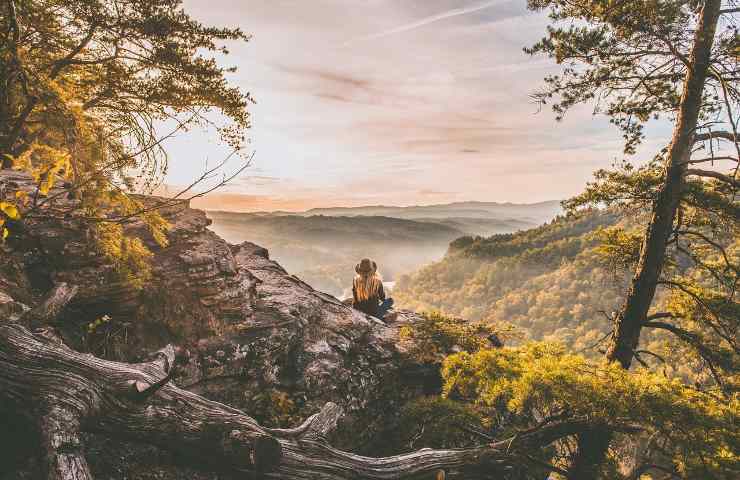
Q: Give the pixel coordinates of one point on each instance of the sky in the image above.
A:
(395, 102)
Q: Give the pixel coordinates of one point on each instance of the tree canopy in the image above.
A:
(92, 89)
(635, 62)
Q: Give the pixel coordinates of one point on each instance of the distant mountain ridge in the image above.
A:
(339, 228)
(322, 245)
(465, 209)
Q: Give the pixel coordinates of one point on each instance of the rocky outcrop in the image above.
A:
(255, 336)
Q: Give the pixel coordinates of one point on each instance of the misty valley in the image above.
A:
(321, 246)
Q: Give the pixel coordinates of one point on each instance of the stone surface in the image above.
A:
(256, 337)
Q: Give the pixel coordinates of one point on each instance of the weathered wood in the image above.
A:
(47, 311)
(38, 376)
(60, 438)
(63, 393)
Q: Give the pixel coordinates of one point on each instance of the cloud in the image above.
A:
(343, 87)
(250, 179)
(335, 97)
(237, 202)
(435, 193)
(455, 12)
(326, 75)
(440, 103)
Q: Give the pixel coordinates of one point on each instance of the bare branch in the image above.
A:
(702, 137)
(714, 244)
(716, 175)
(67, 59)
(711, 159)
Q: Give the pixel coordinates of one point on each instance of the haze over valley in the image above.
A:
(321, 246)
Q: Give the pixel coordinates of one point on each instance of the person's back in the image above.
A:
(367, 290)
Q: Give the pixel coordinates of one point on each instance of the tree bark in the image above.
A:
(652, 253)
(591, 448)
(62, 393)
(60, 440)
(594, 444)
(48, 311)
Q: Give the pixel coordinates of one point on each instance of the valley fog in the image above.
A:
(323, 246)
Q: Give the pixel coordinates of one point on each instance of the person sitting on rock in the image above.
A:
(367, 290)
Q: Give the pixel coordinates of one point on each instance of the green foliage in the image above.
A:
(275, 408)
(87, 85)
(698, 431)
(631, 60)
(436, 335)
(627, 58)
(548, 243)
(435, 422)
(545, 281)
(536, 281)
(618, 249)
(93, 326)
(8, 211)
(623, 186)
(129, 256)
(698, 306)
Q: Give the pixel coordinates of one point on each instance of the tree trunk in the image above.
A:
(634, 312)
(62, 393)
(591, 448)
(594, 445)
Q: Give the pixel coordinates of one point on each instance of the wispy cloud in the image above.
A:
(455, 12)
(439, 105)
(325, 75)
(426, 192)
(330, 84)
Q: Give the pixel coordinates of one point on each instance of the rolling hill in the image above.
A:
(546, 281)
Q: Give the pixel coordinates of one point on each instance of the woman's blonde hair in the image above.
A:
(367, 285)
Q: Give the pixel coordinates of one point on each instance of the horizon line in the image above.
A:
(309, 210)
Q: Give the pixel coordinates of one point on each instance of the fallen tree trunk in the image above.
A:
(63, 393)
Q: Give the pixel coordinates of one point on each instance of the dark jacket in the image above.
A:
(369, 306)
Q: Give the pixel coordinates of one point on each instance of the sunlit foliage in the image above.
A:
(546, 281)
(92, 88)
(697, 432)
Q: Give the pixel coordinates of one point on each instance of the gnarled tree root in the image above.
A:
(63, 392)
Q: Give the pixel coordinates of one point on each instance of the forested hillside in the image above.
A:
(547, 280)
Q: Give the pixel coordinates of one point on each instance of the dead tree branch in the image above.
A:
(73, 393)
(46, 312)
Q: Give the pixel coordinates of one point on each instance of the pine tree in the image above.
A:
(639, 61)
